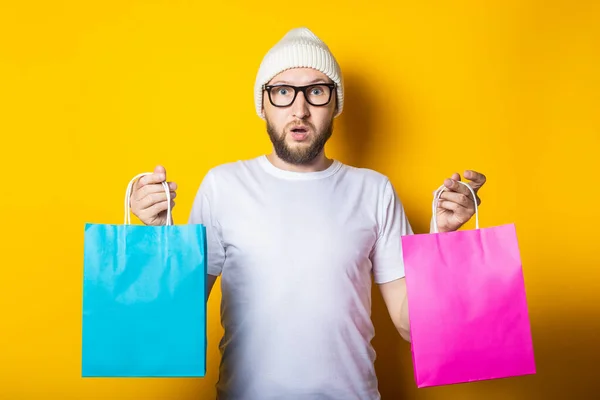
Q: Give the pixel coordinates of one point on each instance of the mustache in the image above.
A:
(293, 125)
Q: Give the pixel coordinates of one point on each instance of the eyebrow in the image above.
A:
(318, 80)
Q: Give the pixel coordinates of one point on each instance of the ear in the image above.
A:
(335, 102)
(262, 105)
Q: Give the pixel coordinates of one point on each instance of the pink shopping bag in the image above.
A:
(467, 305)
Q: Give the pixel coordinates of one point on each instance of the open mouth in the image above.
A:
(299, 133)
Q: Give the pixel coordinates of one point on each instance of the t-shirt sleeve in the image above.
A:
(204, 212)
(388, 264)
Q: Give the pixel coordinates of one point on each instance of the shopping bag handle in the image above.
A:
(436, 199)
(128, 195)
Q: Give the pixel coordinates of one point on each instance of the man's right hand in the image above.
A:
(149, 199)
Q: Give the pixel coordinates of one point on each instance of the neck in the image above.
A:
(320, 163)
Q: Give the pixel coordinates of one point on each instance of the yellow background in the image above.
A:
(94, 92)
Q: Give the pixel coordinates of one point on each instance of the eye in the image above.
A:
(281, 91)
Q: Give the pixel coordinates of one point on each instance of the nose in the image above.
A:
(300, 107)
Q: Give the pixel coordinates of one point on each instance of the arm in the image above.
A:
(203, 212)
(394, 296)
(455, 209)
(388, 262)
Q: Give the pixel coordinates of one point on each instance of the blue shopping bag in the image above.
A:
(144, 305)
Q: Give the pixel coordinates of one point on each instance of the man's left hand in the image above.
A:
(456, 205)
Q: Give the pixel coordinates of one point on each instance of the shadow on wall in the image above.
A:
(567, 356)
(357, 140)
(363, 141)
(566, 346)
(354, 138)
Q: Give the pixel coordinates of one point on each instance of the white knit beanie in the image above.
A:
(299, 48)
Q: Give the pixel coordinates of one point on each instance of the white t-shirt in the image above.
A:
(295, 252)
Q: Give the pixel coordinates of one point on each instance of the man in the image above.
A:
(296, 237)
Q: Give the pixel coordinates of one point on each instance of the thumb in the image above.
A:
(159, 169)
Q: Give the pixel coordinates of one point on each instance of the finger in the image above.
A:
(149, 189)
(455, 177)
(450, 205)
(156, 209)
(459, 213)
(151, 179)
(159, 169)
(459, 198)
(147, 195)
(477, 179)
(152, 199)
(454, 186)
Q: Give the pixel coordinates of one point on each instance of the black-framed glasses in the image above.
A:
(318, 94)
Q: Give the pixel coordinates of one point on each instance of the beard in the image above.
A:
(302, 154)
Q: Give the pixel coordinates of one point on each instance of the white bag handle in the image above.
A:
(436, 199)
(128, 195)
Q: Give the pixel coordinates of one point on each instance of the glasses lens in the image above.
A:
(318, 94)
(282, 95)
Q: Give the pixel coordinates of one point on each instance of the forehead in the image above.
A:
(300, 76)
